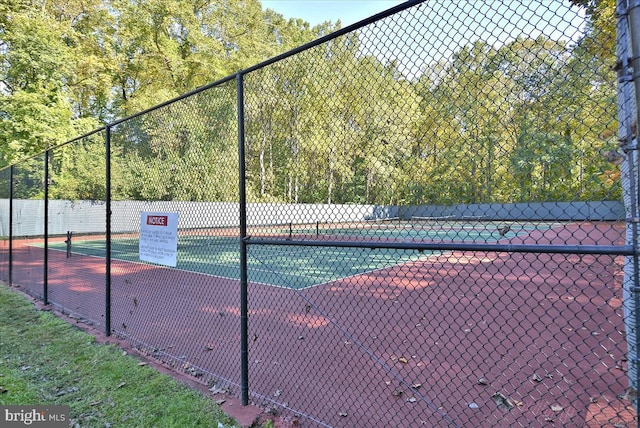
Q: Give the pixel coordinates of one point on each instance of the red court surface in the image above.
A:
(467, 339)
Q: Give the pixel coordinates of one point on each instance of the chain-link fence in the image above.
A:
(180, 159)
(5, 198)
(27, 212)
(76, 217)
(425, 219)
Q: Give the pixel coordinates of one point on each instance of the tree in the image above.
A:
(601, 39)
(68, 65)
(34, 113)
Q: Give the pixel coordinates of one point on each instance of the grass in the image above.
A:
(46, 361)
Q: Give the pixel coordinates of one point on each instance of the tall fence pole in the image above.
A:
(244, 320)
(45, 286)
(627, 43)
(11, 226)
(107, 292)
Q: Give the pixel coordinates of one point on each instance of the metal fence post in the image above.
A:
(244, 342)
(45, 291)
(628, 43)
(11, 226)
(107, 310)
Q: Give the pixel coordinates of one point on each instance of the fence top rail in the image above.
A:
(613, 250)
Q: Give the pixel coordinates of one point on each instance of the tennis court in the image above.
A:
(439, 321)
(422, 327)
(216, 251)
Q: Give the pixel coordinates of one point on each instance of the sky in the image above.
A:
(318, 11)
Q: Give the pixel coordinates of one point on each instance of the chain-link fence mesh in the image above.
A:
(77, 215)
(5, 194)
(433, 133)
(430, 208)
(27, 267)
(180, 159)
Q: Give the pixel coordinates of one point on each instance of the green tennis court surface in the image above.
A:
(444, 229)
(297, 267)
(284, 266)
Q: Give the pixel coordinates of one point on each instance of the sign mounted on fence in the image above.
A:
(159, 238)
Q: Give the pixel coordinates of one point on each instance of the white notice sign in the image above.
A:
(159, 238)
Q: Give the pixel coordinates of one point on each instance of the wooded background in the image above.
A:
(531, 120)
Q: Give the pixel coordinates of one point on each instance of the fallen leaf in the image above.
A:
(122, 384)
(397, 392)
(277, 393)
(272, 410)
(416, 385)
(141, 364)
(67, 391)
(557, 408)
(342, 414)
(220, 402)
(536, 377)
(403, 360)
(412, 400)
(629, 394)
(217, 390)
(483, 381)
(502, 402)
(3, 390)
(473, 406)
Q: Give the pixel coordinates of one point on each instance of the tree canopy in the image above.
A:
(528, 120)
(68, 66)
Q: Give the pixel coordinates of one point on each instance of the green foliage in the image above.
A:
(525, 121)
(62, 61)
(31, 122)
(77, 171)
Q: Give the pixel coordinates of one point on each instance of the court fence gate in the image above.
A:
(428, 218)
